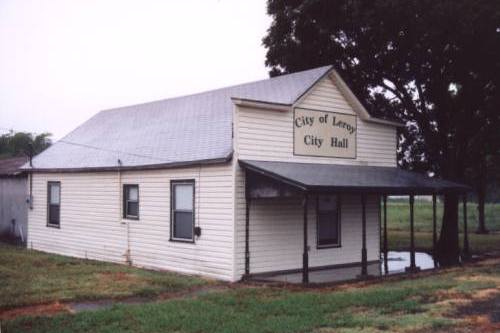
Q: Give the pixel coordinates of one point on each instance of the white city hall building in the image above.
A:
(284, 175)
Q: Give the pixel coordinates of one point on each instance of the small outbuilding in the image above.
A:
(13, 195)
(282, 175)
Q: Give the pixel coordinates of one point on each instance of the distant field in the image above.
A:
(398, 220)
(398, 215)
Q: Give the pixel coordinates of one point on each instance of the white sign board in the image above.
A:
(324, 134)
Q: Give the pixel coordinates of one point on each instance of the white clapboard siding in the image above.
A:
(276, 234)
(268, 135)
(92, 226)
(276, 225)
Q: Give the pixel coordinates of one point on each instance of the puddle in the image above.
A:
(76, 307)
(397, 261)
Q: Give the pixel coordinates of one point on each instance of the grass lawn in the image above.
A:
(398, 222)
(31, 277)
(457, 299)
(449, 301)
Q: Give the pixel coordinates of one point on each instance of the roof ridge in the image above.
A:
(220, 89)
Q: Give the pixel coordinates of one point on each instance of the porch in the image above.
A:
(396, 263)
(270, 180)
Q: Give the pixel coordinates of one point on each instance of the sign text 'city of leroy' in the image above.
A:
(321, 133)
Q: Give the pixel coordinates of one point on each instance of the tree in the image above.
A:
(486, 174)
(432, 64)
(23, 143)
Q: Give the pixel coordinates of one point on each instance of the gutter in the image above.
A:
(171, 165)
(272, 175)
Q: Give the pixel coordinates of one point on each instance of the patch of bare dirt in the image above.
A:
(482, 314)
(117, 276)
(196, 291)
(34, 310)
(446, 295)
(491, 260)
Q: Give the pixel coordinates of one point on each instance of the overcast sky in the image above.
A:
(63, 61)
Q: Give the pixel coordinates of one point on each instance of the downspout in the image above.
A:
(30, 198)
(30, 195)
(30, 156)
(197, 200)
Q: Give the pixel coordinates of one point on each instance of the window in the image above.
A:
(328, 221)
(53, 204)
(131, 201)
(182, 210)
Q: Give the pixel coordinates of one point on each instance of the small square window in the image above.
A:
(131, 201)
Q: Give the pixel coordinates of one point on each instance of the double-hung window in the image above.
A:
(328, 221)
(54, 204)
(131, 201)
(182, 210)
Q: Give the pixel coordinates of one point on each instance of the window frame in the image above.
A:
(339, 224)
(49, 194)
(173, 183)
(125, 202)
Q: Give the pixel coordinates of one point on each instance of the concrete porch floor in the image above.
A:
(396, 263)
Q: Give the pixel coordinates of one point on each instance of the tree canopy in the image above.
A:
(433, 64)
(23, 143)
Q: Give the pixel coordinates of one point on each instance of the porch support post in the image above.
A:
(466, 253)
(434, 229)
(305, 255)
(247, 236)
(364, 256)
(386, 248)
(413, 267)
(434, 224)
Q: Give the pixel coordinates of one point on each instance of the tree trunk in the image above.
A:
(481, 196)
(448, 250)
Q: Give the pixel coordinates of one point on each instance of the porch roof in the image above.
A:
(351, 178)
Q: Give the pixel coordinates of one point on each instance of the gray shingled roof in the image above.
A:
(189, 129)
(12, 166)
(389, 180)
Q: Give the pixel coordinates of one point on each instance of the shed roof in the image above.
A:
(351, 178)
(183, 130)
(12, 166)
